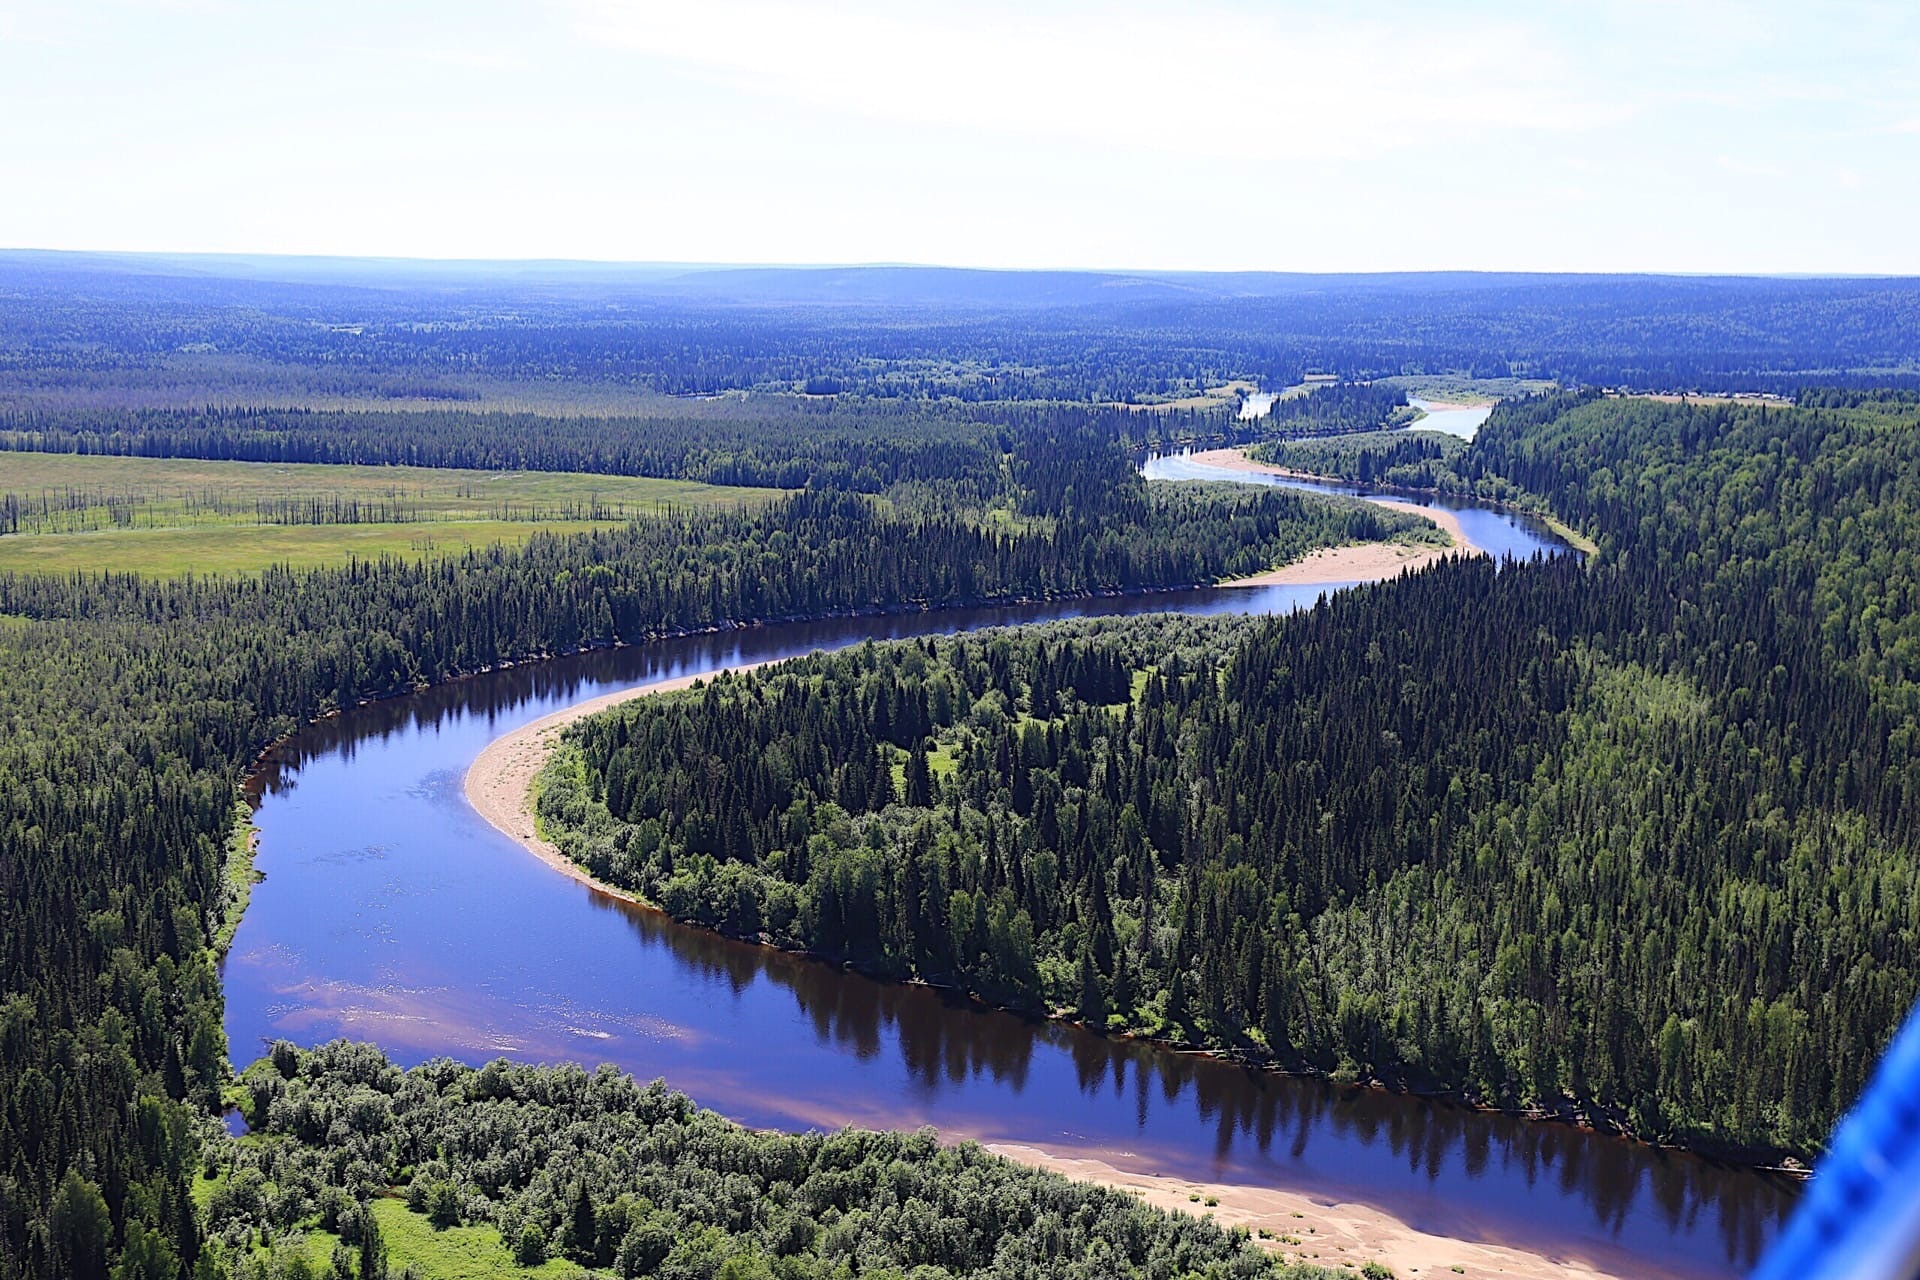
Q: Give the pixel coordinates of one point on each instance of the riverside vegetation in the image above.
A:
(556, 1169)
(1636, 839)
(134, 704)
(1753, 595)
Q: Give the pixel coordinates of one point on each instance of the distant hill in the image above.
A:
(383, 325)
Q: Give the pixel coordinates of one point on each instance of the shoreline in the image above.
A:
(1332, 1234)
(498, 784)
(1233, 458)
(1356, 562)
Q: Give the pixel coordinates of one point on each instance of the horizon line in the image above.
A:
(693, 265)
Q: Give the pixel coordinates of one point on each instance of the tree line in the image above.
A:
(132, 707)
(1635, 840)
(635, 1180)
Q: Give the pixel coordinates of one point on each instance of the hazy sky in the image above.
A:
(1585, 135)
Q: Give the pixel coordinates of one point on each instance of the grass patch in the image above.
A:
(458, 1253)
(202, 1188)
(943, 760)
(171, 553)
(172, 492)
(1209, 398)
(1458, 389)
(64, 513)
(1587, 546)
(241, 876)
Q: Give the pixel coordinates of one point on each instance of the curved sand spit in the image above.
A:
(500, 781)
(1365, 562)
(499, 786)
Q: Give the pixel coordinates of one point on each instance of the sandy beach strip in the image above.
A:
(1448, 406)
(1328, 1235)
(499, 783)
(1362, 562)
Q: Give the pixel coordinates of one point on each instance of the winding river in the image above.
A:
(1454, 419)
(391, 911)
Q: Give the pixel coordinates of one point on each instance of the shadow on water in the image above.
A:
(1236, 1123)
(392, 912)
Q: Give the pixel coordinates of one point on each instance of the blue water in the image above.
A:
(1455, 422)
(1502, 534)
(391, 911)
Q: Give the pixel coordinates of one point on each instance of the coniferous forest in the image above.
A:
(1631, 837)
(1636, 838)
(133, 707)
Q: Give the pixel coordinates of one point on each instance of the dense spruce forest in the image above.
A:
(131, 707)
(1404, 459)
(1636, 838)
(1338, 409)
(597, 1169)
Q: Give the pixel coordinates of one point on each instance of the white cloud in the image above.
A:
(1187, 80)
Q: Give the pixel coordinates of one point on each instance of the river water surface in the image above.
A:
(1455, 420)
(391, 911)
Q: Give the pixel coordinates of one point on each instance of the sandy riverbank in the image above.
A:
(1329, 1235)
(1365, 562)
(499, 783)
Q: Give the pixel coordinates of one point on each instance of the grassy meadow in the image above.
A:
(62, 513)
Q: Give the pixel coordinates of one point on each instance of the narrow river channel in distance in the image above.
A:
(392, 912)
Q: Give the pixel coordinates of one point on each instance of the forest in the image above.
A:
(558, 1168)
(133, 705)
(1403, 459)
(1634, 839)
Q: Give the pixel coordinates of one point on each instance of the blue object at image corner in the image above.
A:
(1860, 1217)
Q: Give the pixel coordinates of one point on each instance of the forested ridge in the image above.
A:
(126, 331)
(863, 444)
(776, 442)
(130, 708)
(1636, 839)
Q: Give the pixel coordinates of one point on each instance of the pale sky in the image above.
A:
(1666, 135)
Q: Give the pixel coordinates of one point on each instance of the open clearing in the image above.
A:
(168, 516)
(172, 553)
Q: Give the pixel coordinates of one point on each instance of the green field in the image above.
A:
(249, 549)
(61, 513)
(456, 1253)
